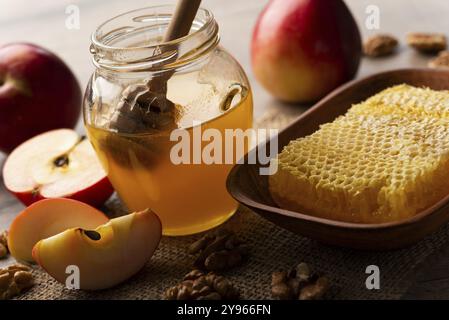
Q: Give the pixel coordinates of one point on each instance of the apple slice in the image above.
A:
(56, 164)
(46, 218)
(106, 256)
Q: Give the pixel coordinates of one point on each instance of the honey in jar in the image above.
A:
(211, 99)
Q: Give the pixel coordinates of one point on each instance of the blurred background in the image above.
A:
(43, 22)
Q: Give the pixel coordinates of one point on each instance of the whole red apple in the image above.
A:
(303, 49)
(38, 92)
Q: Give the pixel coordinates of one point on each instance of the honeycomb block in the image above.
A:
(405, 100)
(385, 160)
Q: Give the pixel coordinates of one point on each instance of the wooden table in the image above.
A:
(43, 22)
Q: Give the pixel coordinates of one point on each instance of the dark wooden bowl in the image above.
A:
(251, 189)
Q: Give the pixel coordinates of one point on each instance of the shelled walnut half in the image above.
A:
(300, 283)
(219, 250)
(14, 280)
(197, 285)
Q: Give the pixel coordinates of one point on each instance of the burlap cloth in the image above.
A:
(272, 248)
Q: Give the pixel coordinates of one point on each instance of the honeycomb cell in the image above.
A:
(386, 159)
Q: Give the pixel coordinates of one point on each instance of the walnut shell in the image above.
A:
(380, 45)
(427, 42)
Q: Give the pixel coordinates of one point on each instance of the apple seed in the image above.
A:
(93, 235)
(61, 161)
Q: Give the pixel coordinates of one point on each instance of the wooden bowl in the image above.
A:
(250, 188)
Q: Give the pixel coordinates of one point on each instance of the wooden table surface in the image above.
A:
(43, 22)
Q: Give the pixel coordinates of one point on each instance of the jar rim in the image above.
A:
(204, 33)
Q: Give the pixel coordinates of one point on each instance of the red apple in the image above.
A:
(303, 49)
(38, 92)
(56, 164)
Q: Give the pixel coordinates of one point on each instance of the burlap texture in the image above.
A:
(272, 248)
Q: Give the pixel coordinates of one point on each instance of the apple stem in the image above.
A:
(35, 191)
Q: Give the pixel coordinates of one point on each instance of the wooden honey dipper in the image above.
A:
(156, 111)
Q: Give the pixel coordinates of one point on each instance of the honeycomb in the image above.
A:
(385, 160)
(405, 100)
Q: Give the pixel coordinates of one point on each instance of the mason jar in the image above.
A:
(166, 118)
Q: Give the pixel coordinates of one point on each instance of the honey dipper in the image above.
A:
(154, 110)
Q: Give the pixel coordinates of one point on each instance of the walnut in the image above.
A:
(380, 45)
(298, 284)
(427, 42)
(4, 244)
(3, 251)
(441, 61)
(316, 290)
(198, 285)
(14, 280)
(4, 238)
(219, 250)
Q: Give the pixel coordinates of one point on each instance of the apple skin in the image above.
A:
(47, 218)
(123, 247)
(303, 49)
(38, 92)
(95, 195)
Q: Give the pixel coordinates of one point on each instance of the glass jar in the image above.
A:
(161, 116)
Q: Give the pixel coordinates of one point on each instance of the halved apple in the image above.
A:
(105, 256)
(46, 218)
(56, 164)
